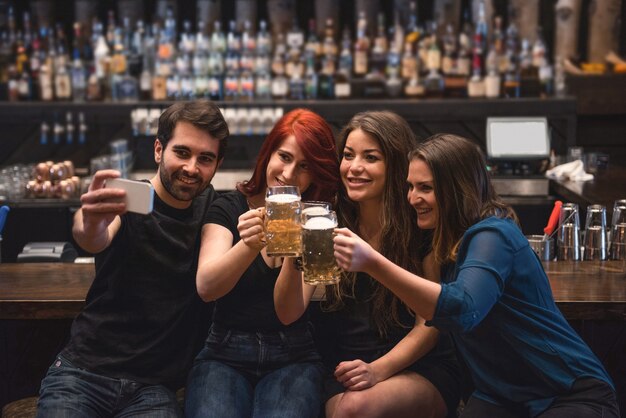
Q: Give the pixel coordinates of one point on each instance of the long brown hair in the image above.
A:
(315, 137)
(400, 239)
(463, 190)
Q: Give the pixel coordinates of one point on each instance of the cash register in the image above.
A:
(47, 252)
(518, 149)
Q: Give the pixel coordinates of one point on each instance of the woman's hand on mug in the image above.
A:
(351, 251)
(251, 229)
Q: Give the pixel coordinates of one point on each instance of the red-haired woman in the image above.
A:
(252, 364)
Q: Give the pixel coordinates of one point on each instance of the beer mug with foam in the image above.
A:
(282, 221)
(318, 256)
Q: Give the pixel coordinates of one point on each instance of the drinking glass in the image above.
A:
(618, 231)
(312, 207)
(595, 233)
(282, 221)
(568, 237)
(318, 257)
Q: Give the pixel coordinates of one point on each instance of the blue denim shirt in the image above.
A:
(497, 303)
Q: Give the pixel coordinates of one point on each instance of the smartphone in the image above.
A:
(139, 194)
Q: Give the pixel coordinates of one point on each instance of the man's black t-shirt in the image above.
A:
(143, 318)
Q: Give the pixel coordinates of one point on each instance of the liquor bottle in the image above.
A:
(69, 129)
(511, 84)
(79, 77)
(94, 87)
(263, 85)
(476, 83)
(62, 81)
(295, 36)
(378, 61)
(263, 40)
(313, 46)
(147, 65)
(280, 84)
(296, 82)
(326, 79)
(480, 32)
(124, 86)
(82, 129)
(540, 62)
(528, 74)
(13, 83)
(310, 78)
(361, 47)
(25, 86)
(499, 46)
(394, 82)
(329, 47)
(36, 57)
(200, 63)
(246, 85)
(464, 61)
(343, 89)
(218, 39)
(101, 55)
(409, 62)
(110, 32)
(412, 32)
(433, 83)
(492, 79)
(215, 88)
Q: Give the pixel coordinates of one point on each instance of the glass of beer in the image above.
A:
(318, 257)
(312, 207)
(282, 221)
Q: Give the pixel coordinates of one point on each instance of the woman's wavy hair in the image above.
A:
(317, 142)
(400, 240)
(463, 190)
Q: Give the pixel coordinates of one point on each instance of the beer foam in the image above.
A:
(315, 210)
(319, 222)
(282, 198)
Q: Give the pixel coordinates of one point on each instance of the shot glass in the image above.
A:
(595, 242)
(618, 231)
(318, 259)
(568, 236)
(282, 221)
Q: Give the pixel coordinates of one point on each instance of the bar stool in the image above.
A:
(22, 408)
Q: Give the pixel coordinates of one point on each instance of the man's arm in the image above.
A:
(97, 221)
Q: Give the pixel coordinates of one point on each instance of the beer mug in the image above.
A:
(282, 221)
(568, 237)
(618, 231)
(595, 233)
(312, 207)
(318, 256)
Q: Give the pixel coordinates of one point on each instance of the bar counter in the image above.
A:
(606, 187)
(583, 290)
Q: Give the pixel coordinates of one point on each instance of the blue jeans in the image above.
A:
(254, 374)
(69, 391)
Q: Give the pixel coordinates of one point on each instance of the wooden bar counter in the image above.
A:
(583, 290)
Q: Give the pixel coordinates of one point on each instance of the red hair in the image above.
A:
(315, 138)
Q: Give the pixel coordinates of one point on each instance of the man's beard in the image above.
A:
(180, 191)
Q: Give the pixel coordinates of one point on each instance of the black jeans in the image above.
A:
(589, 398)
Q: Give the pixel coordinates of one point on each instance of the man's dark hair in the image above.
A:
(203, 114)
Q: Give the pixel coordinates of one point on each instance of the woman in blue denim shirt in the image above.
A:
(494, 297)
(252, 365)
